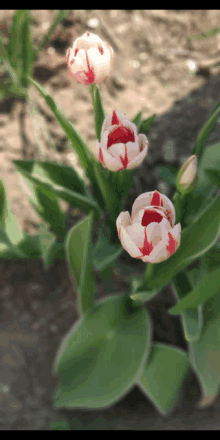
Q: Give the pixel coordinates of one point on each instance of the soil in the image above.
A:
(154, 52)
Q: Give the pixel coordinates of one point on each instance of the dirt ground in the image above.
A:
(159, 68)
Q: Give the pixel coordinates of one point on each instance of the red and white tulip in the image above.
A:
(120, 147)
(149, 234)
(90, 60)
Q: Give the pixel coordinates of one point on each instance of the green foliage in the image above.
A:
(102, 355)
(163, 375)
(78, 250)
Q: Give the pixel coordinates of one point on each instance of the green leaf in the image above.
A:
(205, 353)
(17, 47)
(109, 195)
(214, 176)
(196, 202)
(163, 376)
(140, 294)
(61, 425)
(26, 49)
(30, 246)
(104, 253)
(207, 287)
(65, 176)
(8, 221)
(168, 174)
(75, 199)
(50, 210)
(93, 369)
(195, 241)
(204, 134)
(78, 249)
(137, 120)
(146, 124)
(85, 156)
(212, 258)
(3, 50)
(191, 318)
(47, 240)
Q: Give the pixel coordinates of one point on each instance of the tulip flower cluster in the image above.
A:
(150, 234)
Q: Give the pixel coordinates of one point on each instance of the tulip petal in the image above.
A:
(128, 244)
(108, 120)
(110, 162)
(145, 200)
(158, 254)
(134, 163)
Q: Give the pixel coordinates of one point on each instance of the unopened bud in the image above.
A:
(187, 176)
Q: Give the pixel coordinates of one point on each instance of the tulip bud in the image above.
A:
(90, 60)
(187, 177)
(120, 146)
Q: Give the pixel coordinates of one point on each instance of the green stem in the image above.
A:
(148, 273)
(178, 202)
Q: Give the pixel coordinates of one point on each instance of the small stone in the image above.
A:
(35, 305)
(51, 50)
(93, 23)
(4, 388)
(34, 289)
(67, 304)
(134, 63)
(7, 305)
(25, 317)
(45, 25)
(40, 391)
(53, 328)
(33, 403)
(6, 292)
(143, 56)
(192, 65)
(36, 325)
(113, 14)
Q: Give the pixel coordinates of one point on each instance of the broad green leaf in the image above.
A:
(139, 294)
(214, 176)
(163, 376)
(208, 286)
(85, 156)
(30, 246)
(78, 250)
(61, 425)
(205, 353)
(137, 120)
(3, 50)
(191, 318)
(46, 240)
(109, 195)
(59, 17)
(146, 124)
(7, 219)
(196, 240)
(102, 355)
(104, 254)
(204, 134)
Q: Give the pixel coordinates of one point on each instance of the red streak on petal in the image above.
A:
(119, 234)
(124, 160)
(67, 57)
(101, 158)
(76, 51)
(90, 75)
(167, 213)
(87, 34)
(147, 246)
(101, 50)
(156, 200)
(141, 148)
(120, 134)
(172, 244)
(71, 62)
(115, 120)
(151, 216)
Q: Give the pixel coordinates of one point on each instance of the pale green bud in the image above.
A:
(187, 177)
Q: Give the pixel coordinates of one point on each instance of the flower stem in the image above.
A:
(148, 273)
(177, 202)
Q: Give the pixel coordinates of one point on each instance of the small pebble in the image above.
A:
(51, 50)
(134, 63)
(93, 23)
(7, 305)
(192, 65)
(143, 56)
(35, 305)
(6, 292)
(4, 389)
(45, 25)
(53, 328)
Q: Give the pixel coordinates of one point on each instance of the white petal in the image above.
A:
(96, 149)
(154, 233)
(136, 232)
(176, 233)
(145, 200)
(123, 220)
(138, 159)
(110, 162)
(117, 150)
(132, 149)
(99, 63)
(158, 254)
(128, 244)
